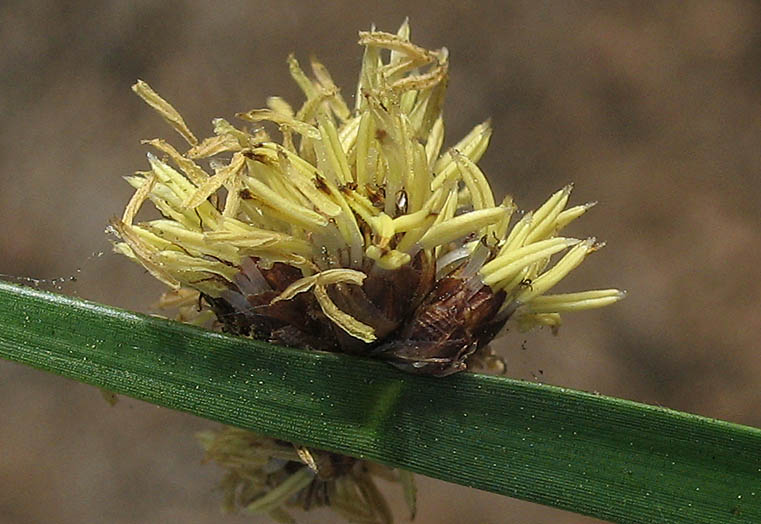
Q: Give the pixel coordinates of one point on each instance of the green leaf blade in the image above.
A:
(610, 458)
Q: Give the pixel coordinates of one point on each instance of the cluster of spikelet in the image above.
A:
(356, 232)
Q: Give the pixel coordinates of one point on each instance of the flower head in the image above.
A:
(356, 232)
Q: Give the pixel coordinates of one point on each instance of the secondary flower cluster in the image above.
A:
(357, 231)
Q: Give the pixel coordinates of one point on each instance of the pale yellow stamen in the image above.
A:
(574, 301)
(461, 226)
(336, 156)
(280, 106)
(212, 184)
(179, 184)
(134, 204)
(324, 278)
(164, 109)
(337, 102)
(364, 141)
(544, 217)
(343, 320)
(544, 282)
(301, 79)
(181, 262)
(387, 259)
(255, 240)
(518, 234)
(143, 252)
(166, 201)
(398, 44)
(480, 191)
(319, 282)
(500, 229)
(245, 140)
(288, 210)
(192, 170)
(473, 146)
(435, 141)
(261, 115)
(504, 266)
(213, 146)
(192, 241)
(571, 214)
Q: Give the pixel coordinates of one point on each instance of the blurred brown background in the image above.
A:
(654, 109)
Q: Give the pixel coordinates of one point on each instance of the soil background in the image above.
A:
(654, 109)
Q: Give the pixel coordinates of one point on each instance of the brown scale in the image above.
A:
(290, 322)
(422, 326)
(450, 325)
